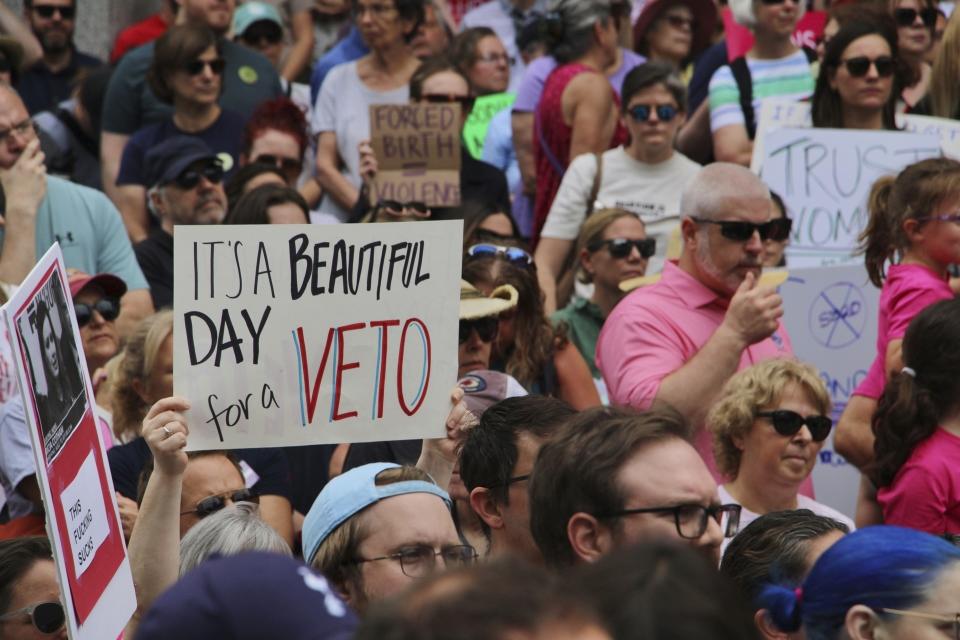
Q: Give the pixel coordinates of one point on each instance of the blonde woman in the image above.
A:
(943, 96)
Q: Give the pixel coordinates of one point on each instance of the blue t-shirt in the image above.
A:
(89, 229)
(223, 137)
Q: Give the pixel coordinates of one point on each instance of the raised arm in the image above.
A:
(11, 24)
(302, 50)
(439, 455)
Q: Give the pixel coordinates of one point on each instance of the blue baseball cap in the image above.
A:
(250, 12)
(164, 162)
(249, 596)
(349, 494)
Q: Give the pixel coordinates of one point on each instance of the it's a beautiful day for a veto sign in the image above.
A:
(309, 334)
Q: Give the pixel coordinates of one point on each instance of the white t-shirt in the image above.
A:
(652, 191)
(803, 502)
(343, 106)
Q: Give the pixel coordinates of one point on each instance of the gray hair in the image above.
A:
(570, 26)
(705, 195)
(742, 11)
(230, 531)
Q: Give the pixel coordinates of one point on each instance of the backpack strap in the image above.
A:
(810, 53)
(741, 74)
(597, 179)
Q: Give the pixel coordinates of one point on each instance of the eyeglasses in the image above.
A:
(623, 247)
(641, 112)
(907, 17)
(212, 504)
(290, 167)
(196, 67)
(691, 519)
(486, 328)
(860, 66)
(20, 130)
(256, 35)
(494, 58)
(47, 617)
(47, 11)
(514, 255)
(420, 560)
(190, 178)
(949, 619)
(395, 208)
(466, 102)
(777, 229)
(108, 308)
(679, 22)
(788, 423)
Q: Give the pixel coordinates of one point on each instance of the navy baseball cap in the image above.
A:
(164, 162)
(251, 596)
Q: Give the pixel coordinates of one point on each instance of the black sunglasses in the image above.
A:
(217, 65)
(860, 66)
(212, 504)
(641, 112)
(47, 11)
(622, 247)
(396, 208)
(906, 17)
(740, 231)
(486, 328)
(47, 617)
(257, 33)
(290, 167)
(190, 178)
(108, 308)
(788, 423)
(466, 102)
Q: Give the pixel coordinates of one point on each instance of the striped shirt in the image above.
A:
(788, 78)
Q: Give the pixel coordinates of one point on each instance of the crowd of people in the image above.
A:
(629, 447)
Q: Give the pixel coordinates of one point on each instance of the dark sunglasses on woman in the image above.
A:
(788, 423)
(622, 247)
(47, 617)
(395, 208)
(108, 308)
(217, 65)
(860, 66)
(906, 17)
(267, 32)
(515, 255)
(190, 178)
(486, 328)
(777, 229)
(290, 167)
(212, 504)
(641, 112)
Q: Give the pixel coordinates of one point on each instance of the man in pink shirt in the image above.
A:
(679, 340)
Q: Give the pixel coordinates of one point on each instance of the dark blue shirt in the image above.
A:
(349, 49)
(42, 89)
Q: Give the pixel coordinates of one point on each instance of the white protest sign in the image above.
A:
(824, 176)
(59, 408)
(304, 334)
(831, 315)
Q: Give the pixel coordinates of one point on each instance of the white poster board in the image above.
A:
(304, 334)
(83, 522)
(824, 176)
(831, 316)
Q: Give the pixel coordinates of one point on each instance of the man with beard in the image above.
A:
(49, 82)
(186, 187)
(679, 340)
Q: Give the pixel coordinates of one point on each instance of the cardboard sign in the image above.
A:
(740, 39)
(303, 334)
(82, 518)
(418, 152)
(824, 176)
(831, 315)
(484, 109)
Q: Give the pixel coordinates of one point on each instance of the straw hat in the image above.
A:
(474, 304)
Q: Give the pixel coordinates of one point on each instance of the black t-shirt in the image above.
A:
(155, 256)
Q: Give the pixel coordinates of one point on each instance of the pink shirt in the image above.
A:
(925, 493)
(656, 329)
(908, 290)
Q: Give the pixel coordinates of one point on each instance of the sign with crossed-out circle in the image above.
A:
(838, 315)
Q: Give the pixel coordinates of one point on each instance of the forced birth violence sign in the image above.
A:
(311, 334)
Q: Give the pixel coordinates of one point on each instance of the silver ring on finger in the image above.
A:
(166, 430)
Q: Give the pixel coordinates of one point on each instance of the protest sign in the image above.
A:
(475, 128)
(59, 408)
(831, 315)
(824, 176)
(418, 152)
(302, 334)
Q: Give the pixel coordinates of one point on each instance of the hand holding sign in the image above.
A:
(754, 311)
(165, 430)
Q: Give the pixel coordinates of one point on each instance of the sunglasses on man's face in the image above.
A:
(486, 329)
(195, 68)
(907, 17)
(47, 617)
(47, 11)
(860, 66)
(256, 36)
(741, 231)
(212, 504)
(641, 112)
(623, 247)
(108, 308)
(190, 178)
(788, 423)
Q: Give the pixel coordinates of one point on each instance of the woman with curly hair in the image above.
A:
(543, 360)
(768, 427)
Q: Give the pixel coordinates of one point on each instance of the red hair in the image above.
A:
(280, 114)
